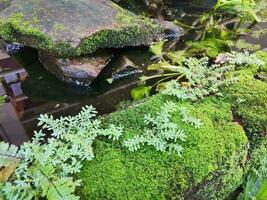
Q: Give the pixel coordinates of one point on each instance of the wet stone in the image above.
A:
(77, 28)
(79, 70)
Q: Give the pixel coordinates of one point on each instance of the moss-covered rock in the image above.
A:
(211, 165)
(72, 28)
(216, 158)
(249, 100)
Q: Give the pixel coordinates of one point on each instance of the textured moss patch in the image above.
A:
(215, 160)
(210, 152)
(249, 100)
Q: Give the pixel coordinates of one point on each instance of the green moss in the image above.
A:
(134, 35)
(135, 30)
(249, 101)
(258, 152)
(217, 147)
(129, 30)
(16, 29)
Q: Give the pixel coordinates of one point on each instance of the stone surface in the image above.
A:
(3, 56)
(75, 27)
(4, 4)
(80, 70)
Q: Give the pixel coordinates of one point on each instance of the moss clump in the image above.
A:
(16, 29)
(257, 152)
(249, 100)
(134, 35)
(210, 152)
(132, 31)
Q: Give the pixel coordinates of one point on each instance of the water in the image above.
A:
(32, 90)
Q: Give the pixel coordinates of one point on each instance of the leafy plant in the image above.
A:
(240, 7)
(211, 30)
(256, 185)
(187, 118)
(202, 79)
(140, 92)
(47, 167)
(163, 134)
(8, 154)
(209, 46)
(196, 78)
(243, 59)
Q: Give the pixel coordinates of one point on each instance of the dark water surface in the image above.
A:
(31, 90)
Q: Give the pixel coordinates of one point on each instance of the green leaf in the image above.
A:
(157, 48)
(262, 193)
(210, 46)
(62, 189)
(164, 66)
(212, 52)
(140, 92)
(9, 154)
(2, 99)
(44, 183)
(177, 56)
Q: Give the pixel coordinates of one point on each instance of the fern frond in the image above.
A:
(8, 154)
(163, 134)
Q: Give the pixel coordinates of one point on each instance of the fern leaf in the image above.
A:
(8, 154)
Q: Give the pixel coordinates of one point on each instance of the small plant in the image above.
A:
(187, 118)
(46, 168)
(163, 134)
(196, 78)
(8, 154)
(202, 79)
(243, 59)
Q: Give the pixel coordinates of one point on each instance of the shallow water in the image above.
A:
(32, 90)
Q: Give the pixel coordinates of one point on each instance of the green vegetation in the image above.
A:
(217, 146)
(47, 170)
(201, 137)
(163, 134)
(255, 186)
(249, 97)
(2, 99)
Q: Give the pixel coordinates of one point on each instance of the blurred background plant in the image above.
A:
(215, 32)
